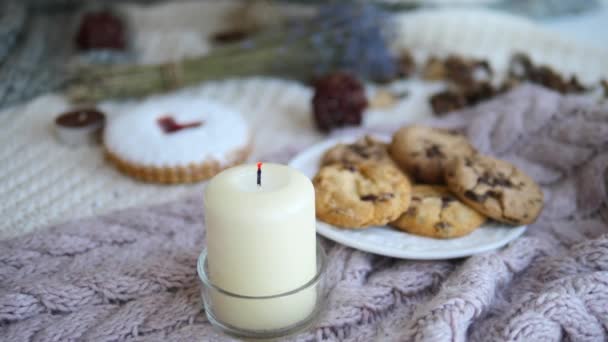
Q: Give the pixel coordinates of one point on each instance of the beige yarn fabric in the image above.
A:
(43, 182)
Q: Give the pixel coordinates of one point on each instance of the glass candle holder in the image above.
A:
(263, 317)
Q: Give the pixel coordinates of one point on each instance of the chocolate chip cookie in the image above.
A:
(436, 213)
(425, 152)
(361, 195)
(365, 149)
(495, 188)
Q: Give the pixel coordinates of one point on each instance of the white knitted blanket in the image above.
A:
(43, 182)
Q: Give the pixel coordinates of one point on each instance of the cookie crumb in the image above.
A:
(377, 198)
(441, 226)
(434, 151)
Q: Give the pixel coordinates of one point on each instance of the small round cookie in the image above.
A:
(436, 213)
(495, 188)
(360, 195)
(176, 139)
(364, 149)
(425, 152)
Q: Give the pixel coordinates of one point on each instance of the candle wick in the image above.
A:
(259, 174)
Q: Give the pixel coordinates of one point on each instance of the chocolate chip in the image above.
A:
(482, 198)
(350, 167)
(494, 194)
(441, 226)
(416, 198)
(473, 196)
(377, 198)
(411, 211)
(367, 148)
(434, 151)
(445, 201)
(503, 182)
(468, 162)
(386, 196)
(360, 150)
(452, 132)
(495, 180)
(369, 198)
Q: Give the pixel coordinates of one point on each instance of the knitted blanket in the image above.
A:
(131, 275)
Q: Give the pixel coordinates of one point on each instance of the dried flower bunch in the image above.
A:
(339, 101)
(348, 37)
(470, 80)
(101, 30)
(521, 69)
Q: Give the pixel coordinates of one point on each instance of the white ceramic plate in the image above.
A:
(393, 243)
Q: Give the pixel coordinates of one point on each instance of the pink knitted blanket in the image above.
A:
(131, 275)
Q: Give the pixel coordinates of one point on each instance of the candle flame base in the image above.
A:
(264, 317)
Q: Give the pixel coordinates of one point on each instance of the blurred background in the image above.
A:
(39, 37)
(412, 60)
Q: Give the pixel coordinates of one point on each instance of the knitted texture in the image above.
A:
(131, 275)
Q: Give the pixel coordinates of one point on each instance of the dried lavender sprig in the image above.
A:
(363, 49)
(342, 37)
(347, 37)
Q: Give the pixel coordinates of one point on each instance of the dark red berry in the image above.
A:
(101, 30)
(339, 100)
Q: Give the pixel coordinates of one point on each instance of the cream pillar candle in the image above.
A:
(261, 241)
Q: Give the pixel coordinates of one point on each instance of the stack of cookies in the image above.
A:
(427, 181)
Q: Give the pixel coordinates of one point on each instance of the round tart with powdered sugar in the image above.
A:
(175, 140)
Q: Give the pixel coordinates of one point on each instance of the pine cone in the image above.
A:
(339, 101)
